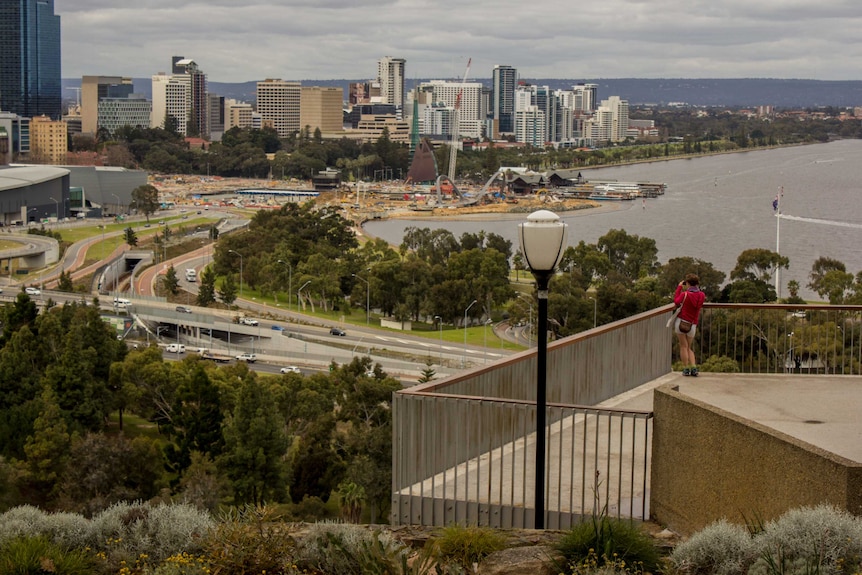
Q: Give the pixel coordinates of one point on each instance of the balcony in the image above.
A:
(464, 447)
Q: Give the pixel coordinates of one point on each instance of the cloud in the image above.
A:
(321, 39)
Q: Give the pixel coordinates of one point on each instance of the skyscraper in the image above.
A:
(278, 103)
(390, 74)
(182, 96)
(503, 97)
(30, 58)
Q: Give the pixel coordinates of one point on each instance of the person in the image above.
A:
(690, 298)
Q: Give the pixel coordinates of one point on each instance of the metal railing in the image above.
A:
(780, 338)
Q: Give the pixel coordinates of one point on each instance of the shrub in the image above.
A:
(343, 549)
(24, 555)
(465, 546)
(68, 530)
(605, 541)
(819, 539)
(721, 549)
(246, 540)
(718, 364)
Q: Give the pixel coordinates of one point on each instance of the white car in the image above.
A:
(290, 369)
(248, 321)
(247, 357)
(32, 291)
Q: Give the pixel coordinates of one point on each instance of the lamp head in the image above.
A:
(543, 238)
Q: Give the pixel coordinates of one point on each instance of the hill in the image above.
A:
(731, 92)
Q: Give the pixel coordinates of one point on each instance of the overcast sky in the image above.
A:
(242, 40)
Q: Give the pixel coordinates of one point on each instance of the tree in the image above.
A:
(206, 287)
(819, 269)
(171, 282)
(131, 237)
(228, 291)
(64, 282)
(145, 199)
(758, 264)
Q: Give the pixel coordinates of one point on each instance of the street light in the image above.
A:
(289, 282)
(298, 300)
(543, 239)
(464, 360)
(595, 307)
(485, 345)
(439, 321)
(240, 269)
(116, 197)
(57, 208)
(367, 296)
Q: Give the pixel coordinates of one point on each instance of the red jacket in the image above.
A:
(691, 301)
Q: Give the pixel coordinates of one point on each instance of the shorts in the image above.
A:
(691, 332)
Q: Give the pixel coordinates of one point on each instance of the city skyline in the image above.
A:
(333, 39)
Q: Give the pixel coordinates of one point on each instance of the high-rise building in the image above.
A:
(470, 116)
(238, 114)
(321, 108)
(49, 140)
(114, 113)
(93, 89)
(390, 74)
(586, 97)
(531, 126)
(182, 95)
(215, 105)
(278, 103)
(503, 97)
(30, 58)
(17, 131)
(610, 123)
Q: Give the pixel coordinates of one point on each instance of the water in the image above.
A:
(715, 207)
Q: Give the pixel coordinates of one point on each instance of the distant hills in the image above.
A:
(732, 92)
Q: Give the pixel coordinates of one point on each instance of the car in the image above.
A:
(290, 369)
(248, 321)
(32, 291)
(277, 328)
(146, 225)
(247, 357)
(337, 331)
(176, 348)
(183, 309)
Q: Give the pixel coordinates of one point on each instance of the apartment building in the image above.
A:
(48, 140)
(278, 103)
(390, 75)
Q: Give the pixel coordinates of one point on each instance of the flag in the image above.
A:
(775, 203)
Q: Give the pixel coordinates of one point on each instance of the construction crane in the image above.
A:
(77, 95)
(456, 126)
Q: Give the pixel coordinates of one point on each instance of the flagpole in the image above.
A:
(778, 240)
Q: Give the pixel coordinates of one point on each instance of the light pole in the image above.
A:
(485, 344)
(464, 360)
(57, 208)
(289, 282)
(299, 291)
(543, 239)
(595, 308)
(240, 269)
(367, 296)
(116, 197)
(439, 321)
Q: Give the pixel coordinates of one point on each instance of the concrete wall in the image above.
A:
(709, 464)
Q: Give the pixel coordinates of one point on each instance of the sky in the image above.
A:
(248, 40)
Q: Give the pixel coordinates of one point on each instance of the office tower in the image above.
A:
(321, 108)
(503, 97)
(93, 89)
(114, 113)
(215, 107)
(531, 126)
(30, 58)
(278, 103)
(586, 97)
(470, 119)
(390, 74)
(238, 114)
(17, 130)
(48, 140)
(182, 96)
(610, 123)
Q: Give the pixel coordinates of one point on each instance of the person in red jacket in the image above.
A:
(690, 298)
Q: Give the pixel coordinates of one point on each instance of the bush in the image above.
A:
(718, 364)
(604, 541)
(465, 546)
(246, 540)
(721, 549)
(69, 530)
(343, 549)
(25, 555)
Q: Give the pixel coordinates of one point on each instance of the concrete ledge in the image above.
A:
(709, 463)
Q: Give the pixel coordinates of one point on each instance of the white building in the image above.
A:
(531, 126)
(390, 75)
(610, 122)
(278, 103)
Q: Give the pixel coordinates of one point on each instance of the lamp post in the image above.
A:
(240, 269)
(367, 296)
(543, 239)
(57, 208)
(116, 197)
(464, 359)
(298, 300)
(595, 308)
(439, 321)
(485, 344)
(289, 282)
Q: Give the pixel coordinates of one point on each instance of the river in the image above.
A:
(717, 206)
